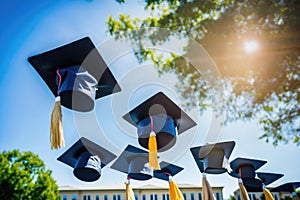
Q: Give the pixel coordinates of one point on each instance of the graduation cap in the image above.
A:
(287, 187)
(156, 120)
(166, 173)
(268, 178)
(167, 170)
(134, 162)
(245, 167)
(263, 179)
(213, 158)
(76, 74)
(87, 159)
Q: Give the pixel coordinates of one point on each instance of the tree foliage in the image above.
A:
(23, 176)
(262, 85)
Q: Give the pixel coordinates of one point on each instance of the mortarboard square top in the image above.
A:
(78, 157)
(165, 115)
(245, 167)
(182, 121)
(256, 185)
(167, 169)
(210, 157)
(78, 53)
(268, 178)
(287, 187)
(133, 161)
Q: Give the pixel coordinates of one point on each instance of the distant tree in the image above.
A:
(23, 176)
(263, 85)
(232, 197)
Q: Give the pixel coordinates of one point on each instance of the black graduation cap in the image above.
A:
(264, 179)
(74, 71)
(210, 157)
(134, 162)
(268, 178)
(87, 159)
(164, 115)
(167, 170)
(287, 187)
(76, 75)
(245, 167)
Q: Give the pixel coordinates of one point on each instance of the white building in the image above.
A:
(258, 195)
(148, 192)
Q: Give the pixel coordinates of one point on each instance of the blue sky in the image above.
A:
(26, 103)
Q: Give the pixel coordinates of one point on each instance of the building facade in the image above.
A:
(142, 193)
(259, 195)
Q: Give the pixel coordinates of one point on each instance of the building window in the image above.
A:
(114, 197)
(97, 197)
(136, 196)
(218, 196)
(192, 196)
(166, 197)
(250, 196)
(74, 197)
(64, 197)
(199, 196)
(184, 195)
(119, 197)
(239, 197)
(153, 197)
(275, 197)
(86, 197)
(105, 197)
(144, 197)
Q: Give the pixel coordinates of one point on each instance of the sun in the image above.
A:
(250, 46)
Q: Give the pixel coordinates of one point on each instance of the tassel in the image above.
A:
(175, 193)
(56, 129)
(243, 191)
(129, 191)
(207, 193)
(268, 195)
(152, 146)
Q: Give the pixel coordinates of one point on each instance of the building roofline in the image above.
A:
(122, 187)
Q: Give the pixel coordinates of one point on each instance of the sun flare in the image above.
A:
(250, 46)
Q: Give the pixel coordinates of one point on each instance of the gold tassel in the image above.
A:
(268, 195)
(243, 191)
(56, 129)
(175, 193)
(152, 146)
(207, 193)
(129, 191)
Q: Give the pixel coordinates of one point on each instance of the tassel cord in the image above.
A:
(56, 129)
(152, 146)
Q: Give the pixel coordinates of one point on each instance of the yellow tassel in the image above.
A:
(243, 191)
(129, 192)
(207, 193)
(175, 193)
(295, 198)
(268, 195)
(152, 146)
(56, 129)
